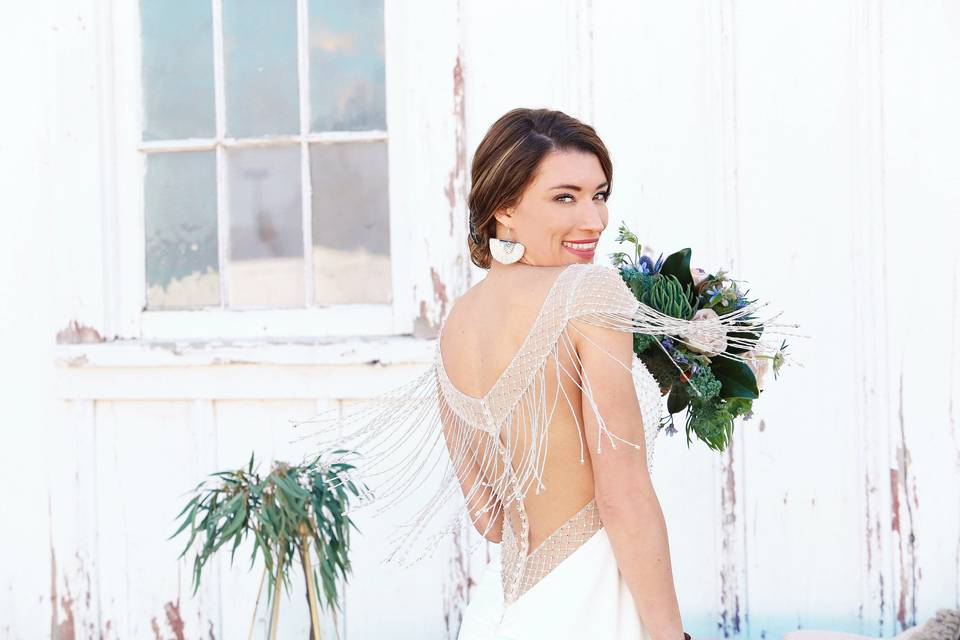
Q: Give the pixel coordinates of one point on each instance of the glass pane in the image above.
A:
(266, 228)
(347, 65)
(351, 228)
(260, 67)
(177, 59)
(181, 230)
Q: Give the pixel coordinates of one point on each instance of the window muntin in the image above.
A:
(287, 195)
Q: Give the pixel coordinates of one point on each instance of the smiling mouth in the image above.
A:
(581, 246)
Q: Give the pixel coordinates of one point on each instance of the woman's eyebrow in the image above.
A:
(575, 187)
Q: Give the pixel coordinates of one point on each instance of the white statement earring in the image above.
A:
(505, 251)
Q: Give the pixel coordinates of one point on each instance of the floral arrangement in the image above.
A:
(289, 511)
(725, 388)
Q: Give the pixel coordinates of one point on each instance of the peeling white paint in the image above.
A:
(811, 150)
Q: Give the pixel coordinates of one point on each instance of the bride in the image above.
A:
(584, 550)
(534, 419)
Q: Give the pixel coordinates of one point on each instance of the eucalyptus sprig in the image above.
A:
(286, 512)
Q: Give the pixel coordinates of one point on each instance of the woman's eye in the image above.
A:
(559, 198)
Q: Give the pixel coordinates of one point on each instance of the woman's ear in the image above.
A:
(504, 216)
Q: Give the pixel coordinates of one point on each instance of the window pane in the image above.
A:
(351, 228)
(181, 230)
(347, 65)
(266, 228)
(177, 59)
(260, 67)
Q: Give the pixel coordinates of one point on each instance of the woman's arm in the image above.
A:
(625, 497)
(490, 522)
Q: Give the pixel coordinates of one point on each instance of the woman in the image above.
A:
(535, 419)
(585, 553)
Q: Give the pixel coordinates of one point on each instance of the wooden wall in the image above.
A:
(811, 148)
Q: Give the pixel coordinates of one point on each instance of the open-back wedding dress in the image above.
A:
(569, 586)
(490, 452)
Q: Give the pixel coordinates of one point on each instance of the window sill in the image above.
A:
(120, 354)
(316, 371)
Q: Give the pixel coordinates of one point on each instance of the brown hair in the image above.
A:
(506, 162)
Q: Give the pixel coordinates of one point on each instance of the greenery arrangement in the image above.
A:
(287, 512)
(727, 387)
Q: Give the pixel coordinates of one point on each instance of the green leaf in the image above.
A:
(193, 501)
(736, 378)
(678, 265)
(256, 547)
(231, 528)
(237, 537)
(193, 535)
(186, 522)
(679, 399)
(739, 406)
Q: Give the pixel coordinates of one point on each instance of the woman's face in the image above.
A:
(565, 204)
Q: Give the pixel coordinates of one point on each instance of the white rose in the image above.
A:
(758, 365)
(698, 275)
(708, 341)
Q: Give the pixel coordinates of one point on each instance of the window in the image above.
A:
(264, 173)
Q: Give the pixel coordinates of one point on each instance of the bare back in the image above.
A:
(482, 334)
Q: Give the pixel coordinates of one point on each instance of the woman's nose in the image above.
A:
(593, 219)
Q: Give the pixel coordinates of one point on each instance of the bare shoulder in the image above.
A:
(584, 288)
(518, 286)
(523, 277)
(522, 290)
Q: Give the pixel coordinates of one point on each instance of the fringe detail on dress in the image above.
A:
(488, 453)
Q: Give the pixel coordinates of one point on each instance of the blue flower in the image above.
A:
(656, 267)
(646, 265)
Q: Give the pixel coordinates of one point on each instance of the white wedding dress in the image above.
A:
(570, 585)
(489, 454)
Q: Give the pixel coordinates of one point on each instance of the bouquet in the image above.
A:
(715, 390)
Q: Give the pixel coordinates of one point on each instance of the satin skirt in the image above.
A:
(585, 596)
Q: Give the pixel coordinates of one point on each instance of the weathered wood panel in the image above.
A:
(148, 456)
(811, 149)
(920, 56)
(800, 473)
